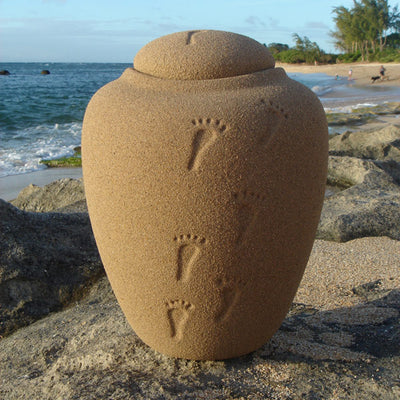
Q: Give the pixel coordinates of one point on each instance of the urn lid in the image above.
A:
(202, 54)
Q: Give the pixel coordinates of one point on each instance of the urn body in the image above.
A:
(204, 197)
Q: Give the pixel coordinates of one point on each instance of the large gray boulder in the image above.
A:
(369, 205)
(382, 144)
(47, 260)
(345, 172)
(364, 167)
(339, 341)
(361, 211)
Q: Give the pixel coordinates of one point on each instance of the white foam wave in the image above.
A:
(321, 90)
(348, 108)
(23, 152)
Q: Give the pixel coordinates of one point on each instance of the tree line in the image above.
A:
(365, 28)
(368, 31)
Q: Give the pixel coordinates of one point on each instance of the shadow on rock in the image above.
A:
(89, 351)
(47, 261)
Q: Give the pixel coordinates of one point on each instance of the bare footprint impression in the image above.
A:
(178, 312)
(230, 291)
(277, 115)
(189, 250)
(248, 203)
(206, 133)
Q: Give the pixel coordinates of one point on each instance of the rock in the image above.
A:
(382, 144)
(360, 211)
(53, 197)
(4, 72)
(347, 119)
(345, 172)
(362, 115)
(334, 344)
(47, 260)
(45, 72)
(391, 167)
(370, 203)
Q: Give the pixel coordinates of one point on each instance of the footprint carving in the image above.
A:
(178, 312)
(278, 116)
(206, 133)
(189, 250)
(190, 37)
(230, 291)
(248, 203)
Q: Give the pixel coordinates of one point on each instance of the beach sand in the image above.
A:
(362, 72)
(10, 186)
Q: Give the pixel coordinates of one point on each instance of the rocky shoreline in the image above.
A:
(64, 336)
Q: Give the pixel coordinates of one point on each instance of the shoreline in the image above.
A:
(362, 72)
(11, 185)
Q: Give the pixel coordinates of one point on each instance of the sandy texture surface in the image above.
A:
(362, 72)
(202, 166)
(339, 267)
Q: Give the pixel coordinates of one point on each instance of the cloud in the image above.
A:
(252, 20)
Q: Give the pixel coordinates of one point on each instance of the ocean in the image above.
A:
(41, 115)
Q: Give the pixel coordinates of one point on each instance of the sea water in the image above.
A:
(41, 115)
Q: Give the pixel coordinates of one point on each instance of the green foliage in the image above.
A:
(64, 162)
(305, 51)
(385, 56)
(349, 57)
(276, 48)
(365, 27)
(292, 56)
(328, 58)
(393, 41)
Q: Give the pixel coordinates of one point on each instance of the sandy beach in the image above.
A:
(362, 72)
(11, 185)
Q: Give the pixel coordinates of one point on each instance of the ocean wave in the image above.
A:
(321, 90)
(347, 109)
(22, 151)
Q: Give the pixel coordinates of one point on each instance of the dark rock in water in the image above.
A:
(53, 197)
(47, 260)
(45, 72)
(4, 72)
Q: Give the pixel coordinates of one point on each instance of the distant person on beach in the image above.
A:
(382, 72)
(350, 74)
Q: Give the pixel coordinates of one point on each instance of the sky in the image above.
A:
(114, 30)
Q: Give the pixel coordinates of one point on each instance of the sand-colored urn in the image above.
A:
(204, 169)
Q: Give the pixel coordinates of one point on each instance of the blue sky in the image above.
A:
(114, 30)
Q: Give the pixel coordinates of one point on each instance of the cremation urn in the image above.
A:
(204, 169)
